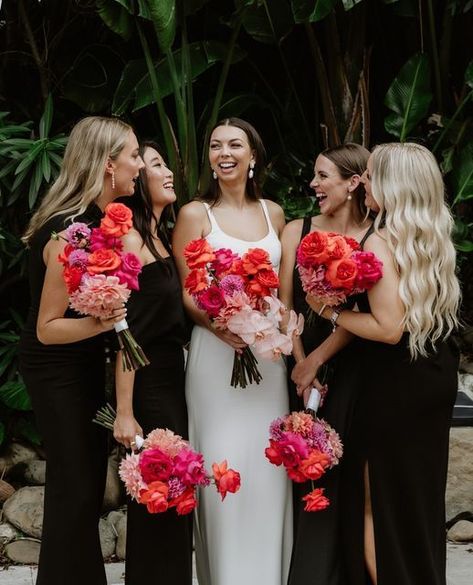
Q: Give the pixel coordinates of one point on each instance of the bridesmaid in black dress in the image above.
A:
(159, 546)
(393, 483)
(62, 354)
(316, 550)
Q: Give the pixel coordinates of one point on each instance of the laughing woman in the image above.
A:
(62, 354)
(159, 546)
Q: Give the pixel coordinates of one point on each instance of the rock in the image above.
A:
(120, 550)
(16, 453)
(24, 551)
(461, 531)
(8, 533)
(466, 365)
(6, 490)
(35, 472)
(24, 509)
(113, 490)
(465, 384)
(115, 516)
(108, 538)
(459, 496)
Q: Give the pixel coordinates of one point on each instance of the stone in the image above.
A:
(24, 551)
(15, 453)
(6, 490)
(466, 365)
(8, 533)
(24, 509)
(35, 472)
(113, 490)
(120, 549)
(108, 538)
(465, 384)
(461, 531)
(115, 516)
(459, 496)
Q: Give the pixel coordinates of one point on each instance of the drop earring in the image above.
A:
(113, 180)
(349, 197)
(251, 173)
(214, 174)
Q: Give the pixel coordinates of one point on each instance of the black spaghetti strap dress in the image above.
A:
(66, 384)
(400, 429)
(159, 546)
(316, 556)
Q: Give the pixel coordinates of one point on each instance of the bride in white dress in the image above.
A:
(247, 539)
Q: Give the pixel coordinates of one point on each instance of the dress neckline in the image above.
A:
(217, 225)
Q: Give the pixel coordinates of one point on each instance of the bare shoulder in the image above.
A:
(274, 209)
(377, 244)
(291, 234)
(132, 241)
(194, 210)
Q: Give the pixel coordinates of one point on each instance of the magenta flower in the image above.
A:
(211, 300)
(224, 259)
(99, 240)
(78, 234)
(231, 284)
(370, 269)
(293, 449)
(78, 258)
(189, 467)
(155, 465)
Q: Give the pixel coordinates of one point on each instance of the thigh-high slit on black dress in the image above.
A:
(159, 546)
(66, 385)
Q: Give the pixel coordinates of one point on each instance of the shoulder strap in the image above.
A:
(306, 225)
(210, 215)
(266, 214)
(368, 233)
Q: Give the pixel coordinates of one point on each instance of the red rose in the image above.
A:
(155, 497)
(315, 500)
(185, 503)
(294, 474)
(268, 278)
(313, 249)
(255, 288)
(72, 277)
(255, 260)
(117, 221)
(155, 465)
(315, 465)
(273, 453)
(103, 260)
(226, 480)
(196, 281)
(198, 253)
(342, 273)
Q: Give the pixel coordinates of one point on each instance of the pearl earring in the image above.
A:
(214, 174)
(349, 197)
(251, 173)
(113, 180)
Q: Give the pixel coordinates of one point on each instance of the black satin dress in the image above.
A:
(159, 546)
(316, 555)
(66, 385)
(400, 429)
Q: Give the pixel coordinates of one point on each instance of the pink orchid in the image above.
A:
(250, 325)
(295, 325)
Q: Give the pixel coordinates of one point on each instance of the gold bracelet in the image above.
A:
(322, 310)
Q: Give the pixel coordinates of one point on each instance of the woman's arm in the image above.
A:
(276, 215)
(52, 327)
(384, 323)
(191, 224)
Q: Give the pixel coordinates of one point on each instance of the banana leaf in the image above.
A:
(15, 396)
(311, 11)
(462, 174)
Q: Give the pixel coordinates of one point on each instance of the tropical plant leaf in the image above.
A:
(46, 118)
(15, 396)
(27, 429)
(349, 4)
(268, 22)
(163, 15)
(116, 17)
(462, 174)
(409, 97)
(311, 10)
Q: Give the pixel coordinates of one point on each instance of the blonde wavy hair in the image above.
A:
(80, 183)
(407, 184)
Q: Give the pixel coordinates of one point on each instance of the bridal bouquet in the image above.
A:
(307, 446)
(333, 267)
(99, 276)
(236, 294)
(166, 472)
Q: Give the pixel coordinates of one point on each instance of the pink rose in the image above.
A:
(155, 465)
(129, 270)
(100, 240)
(211, 300)
(224, 259)
(189, 467)
(370, 269)
(293, 449)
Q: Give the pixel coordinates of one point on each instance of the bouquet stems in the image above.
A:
(105, 417)
(133, 357)
(245, 369)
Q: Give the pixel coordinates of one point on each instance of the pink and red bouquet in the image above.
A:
(99, 276)
(333, 267)
(307, 446)
(166, 473)
(236, 294)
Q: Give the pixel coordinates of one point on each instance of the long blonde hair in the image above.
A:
(407, 184)
(92, 141)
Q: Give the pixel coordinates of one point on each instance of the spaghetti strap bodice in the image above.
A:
(217, 238)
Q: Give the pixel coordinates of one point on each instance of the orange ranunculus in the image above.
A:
(103, 260)
(314, 465)
(337, 246)
(118, 220)
(268, 278)
(254, 287)
(196, 281)
(313, 249)
(226, 480)
(72, 276)
(185, 503)
(255, 260)
(155, 497)
(64, 256)
(197, 253)
(315, 500)
(294, 474)
(342, 273)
